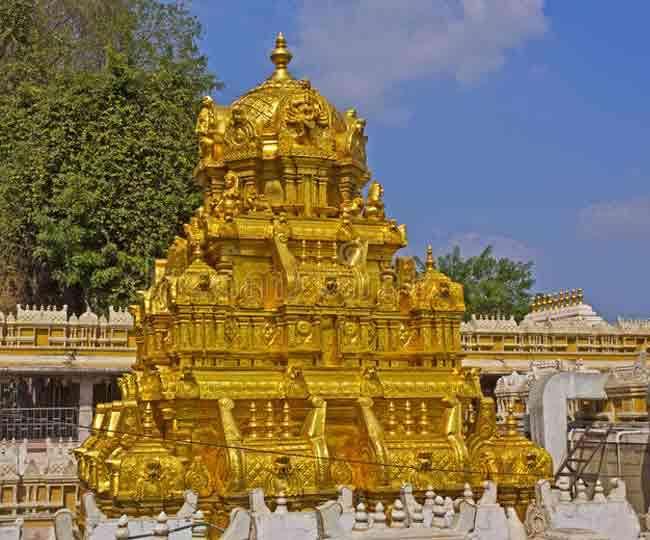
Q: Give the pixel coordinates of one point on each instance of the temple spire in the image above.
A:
(281, 56)
(430, 263)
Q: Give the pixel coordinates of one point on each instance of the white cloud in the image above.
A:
(473, 243)
(617, 219)
(359, 50)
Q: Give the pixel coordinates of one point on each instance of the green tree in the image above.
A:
(491, 285)
(97, 144)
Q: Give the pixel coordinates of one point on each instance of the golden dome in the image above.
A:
(284, 116)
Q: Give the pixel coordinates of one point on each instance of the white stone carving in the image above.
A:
(554, 513)
(85, 331)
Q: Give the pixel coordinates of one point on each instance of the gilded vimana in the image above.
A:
(283, 345)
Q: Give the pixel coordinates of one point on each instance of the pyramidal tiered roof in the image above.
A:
(283, 345)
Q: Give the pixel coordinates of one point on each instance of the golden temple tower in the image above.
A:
(282, 344)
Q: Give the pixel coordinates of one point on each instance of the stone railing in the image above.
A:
(52, 327)
(578, 324)
(609, 516)
(35, 482)
(634, 325)
(405, 517)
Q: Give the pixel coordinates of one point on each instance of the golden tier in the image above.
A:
(282, 345)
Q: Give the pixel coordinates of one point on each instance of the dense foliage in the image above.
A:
(492, 286)
(97, 108)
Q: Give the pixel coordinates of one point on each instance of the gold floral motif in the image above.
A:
(198, 478)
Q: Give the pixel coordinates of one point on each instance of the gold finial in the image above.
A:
(149, 426)
(286, 421)
(281, 56)
(430, 263)
(252, 422)
(270, 420)
(303, 251)
(408, 418)
(423, 423)
(511, 422)
(392, 419)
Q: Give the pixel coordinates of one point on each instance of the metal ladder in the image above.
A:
(588, 449)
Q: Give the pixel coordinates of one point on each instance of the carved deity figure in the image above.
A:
(207, 130)
(304, 115)
(355, 138)
(255, 201)
(282, 478)
(375, 202)
(353, 208)
(229, 204)
(387, 293)
(329, 339)
(240, 131)
(331, 294)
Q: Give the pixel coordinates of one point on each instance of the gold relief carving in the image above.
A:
(207, 129)
(447, 296)
(469, 418)
(230, 203)
(161, 296)
(509, 457)
(310, 289)
(281, 236)
(372, 337)
(240, 388)
(198, 478)
(370, 385)
(271, 334)
(352, 209)
(293, 384)
(199, 284)
(375, 202)
(240, 136)
(329, 341)
(485, 426)
(151, 479)
(301, 334)
(394, 233)
(330, 383)
(231, 332)
(387, 299)
(255, 201)
(355, 140)
(330, 293)
(350, 335)
(279, 474)
(305, 117)
(406, 336)
(129, 426)
(251, 292)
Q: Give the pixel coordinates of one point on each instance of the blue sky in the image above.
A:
(519, 123)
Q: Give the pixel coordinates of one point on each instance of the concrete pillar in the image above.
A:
(85, 408)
